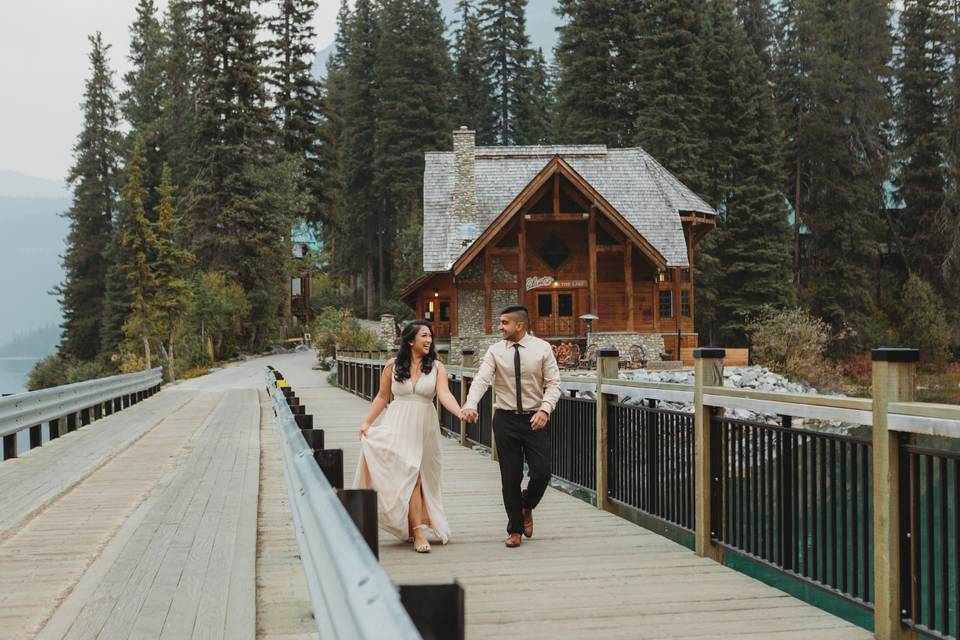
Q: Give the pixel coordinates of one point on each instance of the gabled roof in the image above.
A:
(644, 193)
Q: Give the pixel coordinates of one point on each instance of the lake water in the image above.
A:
(13, 375)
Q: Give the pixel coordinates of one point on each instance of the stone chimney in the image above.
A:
(465, 186)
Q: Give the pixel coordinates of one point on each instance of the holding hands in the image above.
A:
(469, 415)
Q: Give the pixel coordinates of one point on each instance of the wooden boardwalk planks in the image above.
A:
(585, 574)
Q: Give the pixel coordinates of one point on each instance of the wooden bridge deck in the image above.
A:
(170, 520)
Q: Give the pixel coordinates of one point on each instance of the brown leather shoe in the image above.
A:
(513, 540)
(528, 522)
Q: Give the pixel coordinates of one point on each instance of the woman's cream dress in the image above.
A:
(405, 442)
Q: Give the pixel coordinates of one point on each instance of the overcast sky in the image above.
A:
(43, 65)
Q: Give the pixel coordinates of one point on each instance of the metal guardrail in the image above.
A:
(25, 410)
(351, 595)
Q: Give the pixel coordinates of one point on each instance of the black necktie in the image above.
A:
(516, 374)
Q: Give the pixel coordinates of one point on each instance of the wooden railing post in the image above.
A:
(608, 366)
(894, 380)
(467, 361)
(708, 372)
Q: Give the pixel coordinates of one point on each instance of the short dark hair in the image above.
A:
(519, 310)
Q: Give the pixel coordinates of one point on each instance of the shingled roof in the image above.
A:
(647, 195)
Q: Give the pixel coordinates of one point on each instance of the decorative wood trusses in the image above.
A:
(549, 178)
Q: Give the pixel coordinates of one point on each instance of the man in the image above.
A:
(526, 387)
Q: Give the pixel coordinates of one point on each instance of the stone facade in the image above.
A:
(652, 343)
(500, 273)
(479, 344)
(473, 274)
(465, 186)
(388, 330)
(469, 312)
(501, 298)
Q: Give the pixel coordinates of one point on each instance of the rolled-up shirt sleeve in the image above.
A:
(551, 383)
(482, 381)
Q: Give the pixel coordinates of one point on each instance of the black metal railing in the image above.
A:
(798, 500)
(573, 441)
(651, 461)
(481, 431)
(930, 539)
(448, 421)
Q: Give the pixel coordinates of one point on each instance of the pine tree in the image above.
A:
(508, 63)
(94, 180)
(173, 295)
(413, 71)
(671, 84)
(238, 222)
(472, 104)
(921, 134)
(359, 111)
(534, 113)
(141, 102)
(949, 215)
(297, 94)
(140, 242)
(746, 260)
(596, 96)
(832, 73)
(756, 16)
(141, 107)
(177, 126)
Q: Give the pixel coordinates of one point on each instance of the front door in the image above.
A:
(437, 311)
(556, 314)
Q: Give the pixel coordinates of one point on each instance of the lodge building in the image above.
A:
(569, 231)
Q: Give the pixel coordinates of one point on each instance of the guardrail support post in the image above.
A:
(467, 361)
(10, 446)
(304, 421)
(361, 506)
(708, 372)
(894, 380)
(330, 462)
(53, 428)
(608, 366)
(36, 436)
(314, 438)
(71, 422)
(437, 610)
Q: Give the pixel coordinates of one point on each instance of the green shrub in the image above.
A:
(47, 372)
(337, 329)
(923, 322)
(793, 343)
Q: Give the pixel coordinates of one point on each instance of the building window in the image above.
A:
(685, 304)
(565, 305)
(666, 303)
(444, 311)
(684, 275)
(296, 288)
(545, 305)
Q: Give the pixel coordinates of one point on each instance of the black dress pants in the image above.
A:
(516, 441)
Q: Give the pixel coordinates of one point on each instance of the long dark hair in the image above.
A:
(401, 366)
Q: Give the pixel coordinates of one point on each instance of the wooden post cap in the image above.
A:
(895, 354)
(467, 352)
(608, 352)
(708, 352)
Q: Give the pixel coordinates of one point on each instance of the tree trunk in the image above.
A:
(383, 269)
(370, 287)
(171, 371)
(146, 349)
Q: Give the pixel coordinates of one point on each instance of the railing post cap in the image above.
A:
(608, 352)
(443, 350)
(895, 354)
(709, 352)
(467, 352)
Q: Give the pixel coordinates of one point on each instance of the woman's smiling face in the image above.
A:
(422, 341)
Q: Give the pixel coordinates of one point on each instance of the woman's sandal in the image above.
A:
(421, 548)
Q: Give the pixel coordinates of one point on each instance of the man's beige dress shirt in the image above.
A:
(539, 376)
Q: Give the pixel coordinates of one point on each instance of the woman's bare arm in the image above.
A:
(443, 390)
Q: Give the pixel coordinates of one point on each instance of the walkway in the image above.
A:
(170, 520)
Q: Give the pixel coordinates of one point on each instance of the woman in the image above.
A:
(400, 456)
